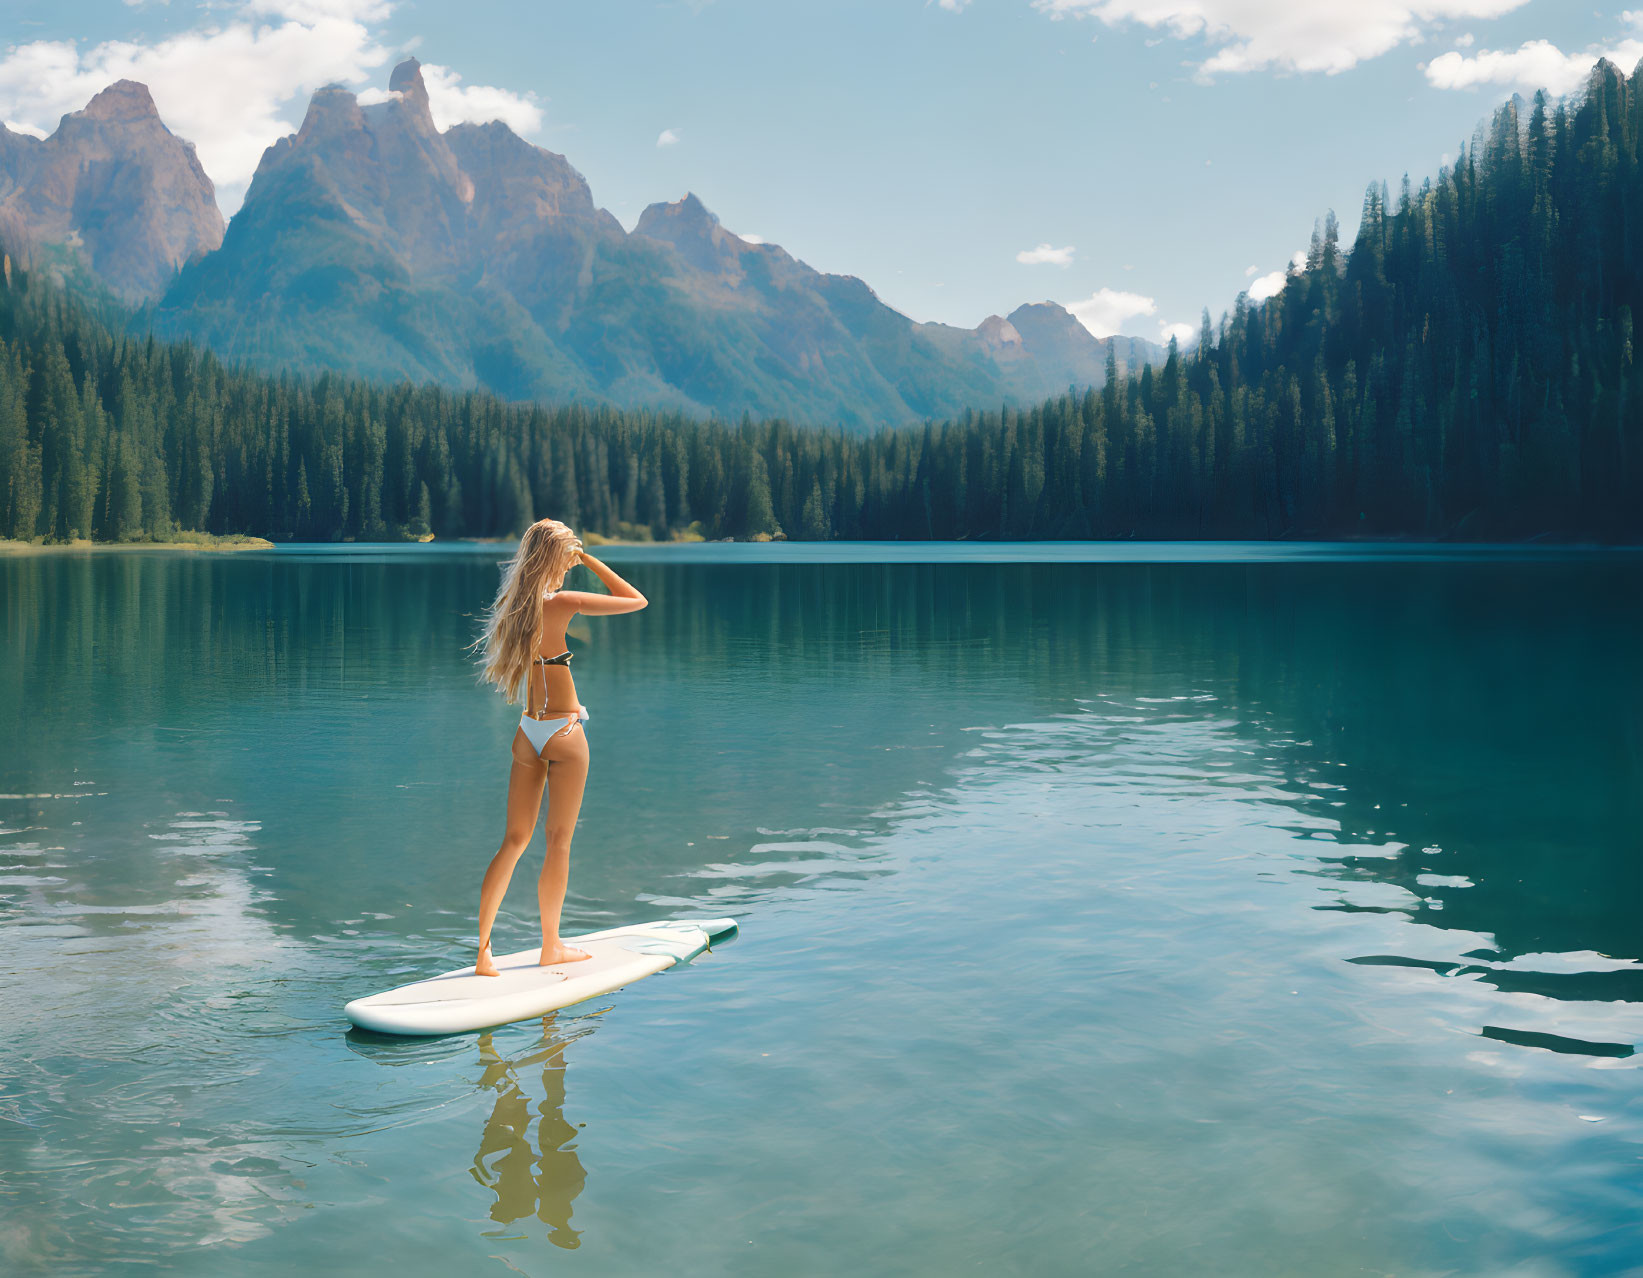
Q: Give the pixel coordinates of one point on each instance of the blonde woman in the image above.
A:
(525, 655)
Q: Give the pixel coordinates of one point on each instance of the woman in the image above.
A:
(524, 653)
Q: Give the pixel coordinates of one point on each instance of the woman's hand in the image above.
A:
(622, 597)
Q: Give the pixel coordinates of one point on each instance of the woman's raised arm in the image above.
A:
(622, 597)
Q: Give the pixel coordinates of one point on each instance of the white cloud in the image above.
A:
(1535, 64)
(667, 137)
(238, 81)
(1105, 312)
(1266, 286)
(952, 6)
(752, 239)
(1182, 333)
(1044, 254)
(220, 87)
(452, 102)
(1250, 270)
(312, 11)
(1273, 281)
(1257, 35)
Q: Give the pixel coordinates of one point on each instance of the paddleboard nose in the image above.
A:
(716, 929)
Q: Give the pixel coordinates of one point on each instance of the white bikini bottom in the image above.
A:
(537, 731)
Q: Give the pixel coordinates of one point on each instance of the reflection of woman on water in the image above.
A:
(525, 655)
(541, 1179)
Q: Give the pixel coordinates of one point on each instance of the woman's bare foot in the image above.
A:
(485, 965)
(558, 952)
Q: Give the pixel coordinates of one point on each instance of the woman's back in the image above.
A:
(551, 685)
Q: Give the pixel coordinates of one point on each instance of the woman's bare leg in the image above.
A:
(567, 756)
(525, 782)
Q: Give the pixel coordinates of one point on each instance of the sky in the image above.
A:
(1137, 161)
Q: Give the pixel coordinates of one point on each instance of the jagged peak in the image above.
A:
(407, 98)
(1047, 306)
(332, 95)
(995, 330)
(693, 205)
(406, 80)
(18, 136)
(692, 229)
(330, 102)
(500, 134)
(123, 102)
(688, 211)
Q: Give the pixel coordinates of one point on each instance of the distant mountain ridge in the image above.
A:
(372, 243)
(123, 195)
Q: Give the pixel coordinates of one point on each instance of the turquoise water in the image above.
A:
(1183, 909)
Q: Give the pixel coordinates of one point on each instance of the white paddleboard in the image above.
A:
(459, 1002)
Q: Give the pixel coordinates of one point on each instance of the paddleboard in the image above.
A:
(459, 1002)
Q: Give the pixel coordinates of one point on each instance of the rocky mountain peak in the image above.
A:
(664, 221)
(1046, 312)
(115, 189)
(1049, 325)
(385, 167)
(997, 334)
(1068, 351)
(696, 233)
(407, 80)
(521, 187)
(412, 98)
(332, 109)
(692, 208)
(123, 102)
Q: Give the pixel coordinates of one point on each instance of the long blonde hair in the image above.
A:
(513, 626)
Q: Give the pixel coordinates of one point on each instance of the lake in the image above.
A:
(1183, 909)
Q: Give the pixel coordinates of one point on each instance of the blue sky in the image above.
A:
(1147, 158)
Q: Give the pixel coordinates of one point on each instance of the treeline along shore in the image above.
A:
(1467, 368)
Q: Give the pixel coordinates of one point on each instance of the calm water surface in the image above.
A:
(1203, 910)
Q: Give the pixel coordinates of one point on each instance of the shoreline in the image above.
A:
(217, 545)
(233, 544)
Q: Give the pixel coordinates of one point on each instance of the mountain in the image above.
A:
(1467, 368)
(370, 242)
(1068, 354)
(112, 191)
